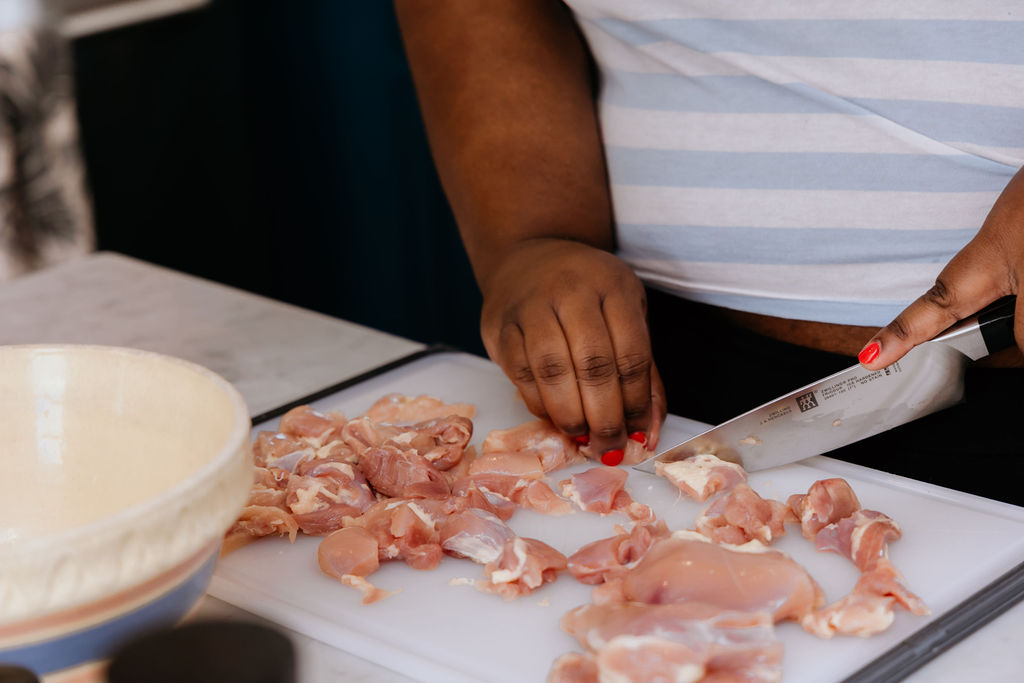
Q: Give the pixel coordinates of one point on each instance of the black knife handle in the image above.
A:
(996, 324)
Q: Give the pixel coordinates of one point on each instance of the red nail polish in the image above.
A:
(869, 353)
(612, 457)
(582, 440)
(639, 437)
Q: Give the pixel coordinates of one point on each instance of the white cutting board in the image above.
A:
(953, 544)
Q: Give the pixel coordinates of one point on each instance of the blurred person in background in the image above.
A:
(45, 213)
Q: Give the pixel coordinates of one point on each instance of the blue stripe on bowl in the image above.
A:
(101, 640)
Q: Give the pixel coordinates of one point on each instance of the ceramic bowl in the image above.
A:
(120, 471)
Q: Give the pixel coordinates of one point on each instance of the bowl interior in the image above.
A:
(91, 431)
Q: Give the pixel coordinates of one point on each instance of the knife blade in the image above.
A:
(855, 403)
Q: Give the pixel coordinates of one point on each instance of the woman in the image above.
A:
(757, 184)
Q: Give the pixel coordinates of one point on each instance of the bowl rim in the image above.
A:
(238, 437)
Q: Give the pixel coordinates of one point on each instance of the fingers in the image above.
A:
(970, 281)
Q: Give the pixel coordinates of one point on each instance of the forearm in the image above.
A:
(505, 92)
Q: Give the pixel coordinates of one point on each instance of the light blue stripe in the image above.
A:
(955, 121)
(725, 94)
(943, 121)
(796, 246)
(992, 42)
(100, 641)
(841, 312)
(805, 171)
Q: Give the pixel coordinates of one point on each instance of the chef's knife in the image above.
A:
(856, 403)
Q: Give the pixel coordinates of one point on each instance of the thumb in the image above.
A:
(974, 278)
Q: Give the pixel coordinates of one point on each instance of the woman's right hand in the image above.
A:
(567, 323)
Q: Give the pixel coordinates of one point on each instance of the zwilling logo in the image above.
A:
(806, 401)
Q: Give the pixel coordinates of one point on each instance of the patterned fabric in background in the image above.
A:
(45, 212)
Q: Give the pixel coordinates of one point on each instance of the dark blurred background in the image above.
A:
(276, 146)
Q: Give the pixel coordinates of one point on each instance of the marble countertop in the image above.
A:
(275, 353)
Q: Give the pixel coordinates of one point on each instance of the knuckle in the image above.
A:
(635, 414)
(607, 431)
(521, 374)
(552, 369)
(574, 427)
(940, 295)
(596, 369)
(634, 368)
(899, 328)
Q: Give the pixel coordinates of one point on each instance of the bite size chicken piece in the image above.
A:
(349, 555)
(519, 464)
(320, 501)
(401, 473)
(612, 558)
(525, 564)
(399, 409)
(352, 550)
(405, 529)
(475, 534)
(702, 475)
(826, 501)
(256, 521)
(466, 494)
(314, 426)
(602, 490)
(523, 492)
(869, 608)
(280, 451)
(269, 487)
(742, 515)
(440, 441)
(554, 449)
(747, 578)
(863, 537)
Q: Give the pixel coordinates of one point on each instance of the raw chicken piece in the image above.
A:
(402, 473)
(405, 530)
(863, 537)
(827, 501)
(684, 641)
(611, 558)
(320, 501)
(868, 609)
(525, 564)
(352, 550)
(573, 667)
(279, 450)
(555, 450)
(519, 464)
(528, 493)
(269, 487)
(312, 425)
(602, 490)
(440, 441)
(399, 409)
(702, 475)
(370, 592)
(466, 494)
(475, 534)
(256, 521)
(742, 515)
(747, 578)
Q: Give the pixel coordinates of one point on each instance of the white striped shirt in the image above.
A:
(812, 160)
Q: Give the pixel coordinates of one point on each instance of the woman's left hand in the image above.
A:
(989, 267)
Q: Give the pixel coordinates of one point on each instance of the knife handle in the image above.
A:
(996, 323)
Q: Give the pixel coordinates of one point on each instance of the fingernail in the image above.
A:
(582, 440)
(869, 353)
(639, 437)
(612, 457)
